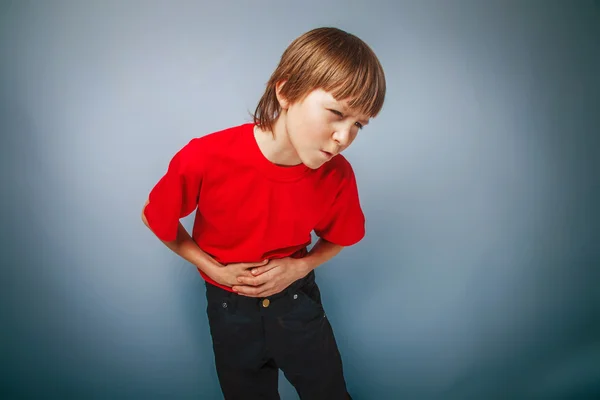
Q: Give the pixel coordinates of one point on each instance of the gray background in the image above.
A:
(479, 275)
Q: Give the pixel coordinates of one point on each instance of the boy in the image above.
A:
(259, 190)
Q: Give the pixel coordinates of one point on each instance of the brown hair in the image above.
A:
(328, 59)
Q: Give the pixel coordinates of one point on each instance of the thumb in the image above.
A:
(257, 270)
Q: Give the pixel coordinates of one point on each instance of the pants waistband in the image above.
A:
(276, 304)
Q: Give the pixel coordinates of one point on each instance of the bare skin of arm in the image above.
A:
(251, 279)
(185, 247)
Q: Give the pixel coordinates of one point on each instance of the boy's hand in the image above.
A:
(228, 275)
(271, 278)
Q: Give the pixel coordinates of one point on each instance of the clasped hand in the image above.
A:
(262, 279)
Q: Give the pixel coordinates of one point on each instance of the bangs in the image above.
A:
(362, 88)
(351, 72)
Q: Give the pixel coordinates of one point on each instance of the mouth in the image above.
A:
(327, 154)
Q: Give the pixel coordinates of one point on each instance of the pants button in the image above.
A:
(265, 303)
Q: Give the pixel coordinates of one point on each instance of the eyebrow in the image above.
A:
(345, 109)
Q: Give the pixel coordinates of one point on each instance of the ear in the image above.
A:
(283, 102)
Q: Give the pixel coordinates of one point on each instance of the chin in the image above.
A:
(313, 164)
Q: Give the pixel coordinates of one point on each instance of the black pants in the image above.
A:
(254, 338)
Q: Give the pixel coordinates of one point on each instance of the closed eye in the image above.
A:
(336, 112)
(339, 114)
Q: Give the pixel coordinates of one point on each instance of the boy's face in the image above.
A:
(320, 127)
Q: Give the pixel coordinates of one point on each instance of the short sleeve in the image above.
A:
(176, 194)
(344, 224)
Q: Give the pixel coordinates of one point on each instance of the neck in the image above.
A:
(275, 145)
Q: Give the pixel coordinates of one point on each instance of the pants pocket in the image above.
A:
(307, 312)
(312, 293)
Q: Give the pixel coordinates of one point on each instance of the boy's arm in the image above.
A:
(321, 252)
(185, 247)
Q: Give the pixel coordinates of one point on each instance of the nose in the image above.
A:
(342, 136)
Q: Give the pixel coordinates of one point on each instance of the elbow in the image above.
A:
(144, 220)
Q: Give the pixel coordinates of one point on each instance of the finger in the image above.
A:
(262, 269)
(259, 279)
(243, 272)
(257, 264)
(249, 291)
(253, 280)
(243, 269)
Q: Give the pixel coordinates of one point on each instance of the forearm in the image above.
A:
(185, 247)
(321, 252)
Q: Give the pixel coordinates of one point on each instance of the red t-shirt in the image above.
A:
(249, 209)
